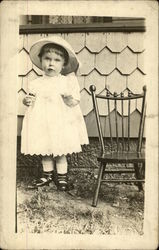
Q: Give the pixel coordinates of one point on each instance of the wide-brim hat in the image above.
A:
(73, 62)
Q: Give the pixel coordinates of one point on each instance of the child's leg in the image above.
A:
(47, 163)
(61, 164)
(47, 175)
(48, 168)
(61, 167)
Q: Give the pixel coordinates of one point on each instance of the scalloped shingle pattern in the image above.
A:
(105, 61)
(109, 60)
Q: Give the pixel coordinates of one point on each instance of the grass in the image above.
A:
(120, 209)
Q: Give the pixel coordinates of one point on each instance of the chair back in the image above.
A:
(119, 131)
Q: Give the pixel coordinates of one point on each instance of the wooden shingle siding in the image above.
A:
(116, 82)
(105, 62)
(112, 60)
(25, 64)
(28, 78)
(95, 42)
(30, 39)
(140, 62)
(117, 43)
(81, 81)
(88, 60)
(135, 43)
(77, 41)
(86, 102)
(95, 77)
(131, 61)
(135, 81)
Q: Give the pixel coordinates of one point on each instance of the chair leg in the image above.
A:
(98, 184)
(138, 176)
(143, 170)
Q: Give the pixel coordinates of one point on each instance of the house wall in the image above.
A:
(112, 60)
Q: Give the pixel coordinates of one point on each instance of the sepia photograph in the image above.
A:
(79, 123)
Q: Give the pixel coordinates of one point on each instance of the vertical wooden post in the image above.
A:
(129, 104)
(110, 126)
(93, 89)
(122, 117)
(116, 121)
(142, 120)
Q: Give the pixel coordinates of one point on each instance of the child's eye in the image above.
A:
(47, 58)
(57, 60)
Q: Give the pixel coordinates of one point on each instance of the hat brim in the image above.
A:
(73, 62)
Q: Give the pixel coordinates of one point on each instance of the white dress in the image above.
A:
(50, 127)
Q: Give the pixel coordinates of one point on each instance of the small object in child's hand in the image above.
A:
(31, 94)
(65, 95)
(68, 100)
(29, 99)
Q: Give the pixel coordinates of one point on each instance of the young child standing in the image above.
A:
(53, 125)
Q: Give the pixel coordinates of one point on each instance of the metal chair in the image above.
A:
(120, 151)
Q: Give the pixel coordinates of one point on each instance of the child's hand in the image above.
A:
(70, 101)
(29, 100)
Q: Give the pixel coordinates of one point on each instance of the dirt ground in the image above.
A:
(120, 209)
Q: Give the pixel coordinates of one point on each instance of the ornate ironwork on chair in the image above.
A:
(120, 151)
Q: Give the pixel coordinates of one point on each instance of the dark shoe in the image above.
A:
(62, 183)
(46, 178)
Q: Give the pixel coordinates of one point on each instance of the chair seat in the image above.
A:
(122, 157)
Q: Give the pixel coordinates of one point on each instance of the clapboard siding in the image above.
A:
(112, 60)
(92, 126)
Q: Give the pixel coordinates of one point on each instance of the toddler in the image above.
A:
(53, 125)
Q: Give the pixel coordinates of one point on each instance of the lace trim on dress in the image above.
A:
(55, 155)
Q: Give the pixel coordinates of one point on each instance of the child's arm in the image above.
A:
(29, 99)
(72, 98)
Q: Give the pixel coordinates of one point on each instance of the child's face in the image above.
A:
(52, 63)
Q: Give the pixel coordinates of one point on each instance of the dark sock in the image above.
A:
(62, 178)
(48, 173)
